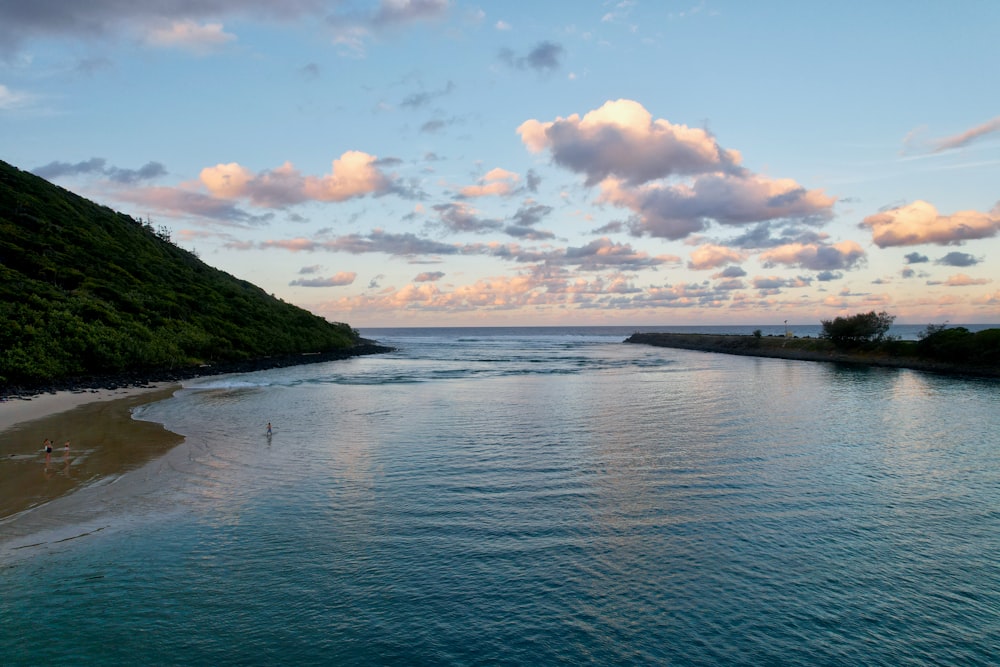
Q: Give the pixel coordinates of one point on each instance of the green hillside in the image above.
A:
(87, 291)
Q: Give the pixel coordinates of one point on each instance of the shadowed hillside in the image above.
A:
(87, 291)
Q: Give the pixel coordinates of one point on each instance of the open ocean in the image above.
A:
(536, 496)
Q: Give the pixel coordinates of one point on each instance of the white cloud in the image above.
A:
(11, 100)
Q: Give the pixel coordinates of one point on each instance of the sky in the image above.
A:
(448, 163)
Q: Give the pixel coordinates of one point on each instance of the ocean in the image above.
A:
(535, 496)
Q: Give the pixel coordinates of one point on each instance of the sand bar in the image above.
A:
(104, 441)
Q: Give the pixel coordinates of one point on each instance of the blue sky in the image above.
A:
(434, 162)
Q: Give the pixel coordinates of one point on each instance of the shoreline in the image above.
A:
(147, 377)
(47, 496)
(104, 441)
(801, 349)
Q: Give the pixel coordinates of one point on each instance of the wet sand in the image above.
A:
(104, 441)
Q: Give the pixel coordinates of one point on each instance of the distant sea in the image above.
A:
(536, 496)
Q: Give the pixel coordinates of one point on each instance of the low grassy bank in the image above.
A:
(898, 354)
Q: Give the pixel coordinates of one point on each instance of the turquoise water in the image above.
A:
(524, 497)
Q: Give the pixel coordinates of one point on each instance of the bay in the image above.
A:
(537, 496)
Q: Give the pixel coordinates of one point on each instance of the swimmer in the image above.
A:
(269, 428)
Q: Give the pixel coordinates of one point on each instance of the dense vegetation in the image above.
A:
(956, 345)
(959, 345)
(859, 339)
(847, 332)
(88, 291)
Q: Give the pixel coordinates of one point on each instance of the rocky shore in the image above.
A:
(145, 378)
(803, 349)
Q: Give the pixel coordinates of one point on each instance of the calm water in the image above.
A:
(522, 497)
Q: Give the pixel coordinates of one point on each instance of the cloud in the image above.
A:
(991, 300)
(353, 174)
(919, 223)
(600, 254)
(960, 259)
(710, 256)
(524, 220)
(496, 182)
(97, 166)
(176, 202)
(417, 100)
(11, 100)
(399, 12)
(458, 217)
(544, 57)
(20, 21)
(603, 253)
(967, 137)
(352, 29)
(190, 36)
(342, 278)
(675, 211)
(621, 139)
(815, 256)
(532, 180)
(429, 276)
(916, 258)
(377, 241)
(768, 282)
(731, 272)
(962, 280)
(675, 179)
(432, 126)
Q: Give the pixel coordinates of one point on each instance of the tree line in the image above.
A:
(938, 342)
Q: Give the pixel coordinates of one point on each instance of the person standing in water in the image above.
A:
(269, 428)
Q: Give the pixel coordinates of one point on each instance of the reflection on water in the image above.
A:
(543, 499)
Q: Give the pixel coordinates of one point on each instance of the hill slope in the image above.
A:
(85, 290)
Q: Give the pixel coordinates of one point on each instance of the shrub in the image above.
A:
(858, 329)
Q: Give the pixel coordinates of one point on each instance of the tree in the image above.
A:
(858, 329)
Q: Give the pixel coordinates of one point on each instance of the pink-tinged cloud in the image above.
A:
(815, 256)
(967, 137)
(621, 139)
(429, 276)
(190, 36)
(294, 245)
(988, 300)
(676, 210)
(920, 223)
(708, 256)
(339, 280)
(354, 174)
(497, 182)
(962, 280)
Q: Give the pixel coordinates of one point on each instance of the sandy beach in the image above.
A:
(103, 440)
